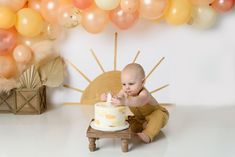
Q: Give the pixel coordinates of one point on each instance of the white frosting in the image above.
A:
(108, 115)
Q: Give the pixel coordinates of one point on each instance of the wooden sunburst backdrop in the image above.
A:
(105, 82)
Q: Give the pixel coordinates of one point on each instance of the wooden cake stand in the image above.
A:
(93, 135)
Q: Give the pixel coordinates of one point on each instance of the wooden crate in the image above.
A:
(31, 101)
(8, 102)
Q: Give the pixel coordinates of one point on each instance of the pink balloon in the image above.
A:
(129, 5)
(82, 4)
(94, 19)
(153, 9)
(223, 5)
(7, 41)
(123, 20)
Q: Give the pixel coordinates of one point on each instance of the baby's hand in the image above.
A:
(103, 97)
(118, 101)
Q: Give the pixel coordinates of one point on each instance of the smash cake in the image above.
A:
(109, 117)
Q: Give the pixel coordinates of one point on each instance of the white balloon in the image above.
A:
(107, 4)
(203, 17)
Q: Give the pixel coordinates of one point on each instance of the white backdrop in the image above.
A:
(199, 64)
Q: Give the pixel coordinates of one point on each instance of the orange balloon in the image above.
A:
(13, 4)
(179, 12)
(7, 41)
(7, 66)
(29, 22)
(7, 16)
(49, 9)
(123, 20)
(153, 9)
(94, 19)
(82, 4)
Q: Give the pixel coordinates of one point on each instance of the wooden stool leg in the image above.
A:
(92, 145)
(124, 145)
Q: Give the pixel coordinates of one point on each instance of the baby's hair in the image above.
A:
(135, 67)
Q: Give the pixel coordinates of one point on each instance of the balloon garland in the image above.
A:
(27, 27)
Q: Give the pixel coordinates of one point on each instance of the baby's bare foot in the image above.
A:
(144, 137)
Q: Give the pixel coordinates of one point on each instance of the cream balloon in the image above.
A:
(107, 4)
(27, 41)
(52, 31)
(22, 54)
(203, 17)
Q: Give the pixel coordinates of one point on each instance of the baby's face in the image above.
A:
(131, 84)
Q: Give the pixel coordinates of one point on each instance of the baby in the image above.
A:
(149, 117)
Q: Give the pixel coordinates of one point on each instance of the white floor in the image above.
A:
(61, 132)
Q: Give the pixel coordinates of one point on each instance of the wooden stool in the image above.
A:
(93, 135)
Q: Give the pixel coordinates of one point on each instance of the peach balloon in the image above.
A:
(82, 4)
(123, 20)
(22, 54)
(129, 5)
(179, 12)
(35, 4)
(13, 4)
(7, 41)
(7, 66)
(7, 16)
(94, 19)
(223, 5)
(201, 2)
(29, 22)
(49, 9)
(69, 16)
(153, 9)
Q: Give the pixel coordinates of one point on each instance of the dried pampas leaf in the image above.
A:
(6, 85)
(52, 73)
(30, 78)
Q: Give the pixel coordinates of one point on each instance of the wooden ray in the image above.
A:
(76, 89)
(79, 71)
(155, 67)
(97, 60)
(160, 88)
(115, 52)
(136, 56)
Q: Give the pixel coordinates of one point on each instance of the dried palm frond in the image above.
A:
(6, 85)
(52, 73)
(30, 78)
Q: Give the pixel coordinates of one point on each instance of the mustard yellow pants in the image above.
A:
(155, 121)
